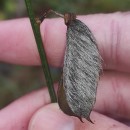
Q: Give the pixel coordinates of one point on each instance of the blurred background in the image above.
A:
(15, 80)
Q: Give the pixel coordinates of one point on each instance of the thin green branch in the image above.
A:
(36, 31)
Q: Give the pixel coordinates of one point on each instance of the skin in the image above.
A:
(34, 111)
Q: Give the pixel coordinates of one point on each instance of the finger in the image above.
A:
(50, 117)
(111, 32)
(113, 95)
(16, 116)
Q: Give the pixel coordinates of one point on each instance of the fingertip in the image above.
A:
(49, 118)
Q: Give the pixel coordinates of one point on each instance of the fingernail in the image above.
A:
(66, 125)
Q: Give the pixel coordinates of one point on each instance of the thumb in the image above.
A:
(51, 117)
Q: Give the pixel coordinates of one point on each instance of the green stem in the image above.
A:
(36, 31)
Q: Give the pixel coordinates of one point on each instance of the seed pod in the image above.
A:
(81, 70)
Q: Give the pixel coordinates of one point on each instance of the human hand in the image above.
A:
(33, 111)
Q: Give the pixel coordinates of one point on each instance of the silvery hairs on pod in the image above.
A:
(81, 70)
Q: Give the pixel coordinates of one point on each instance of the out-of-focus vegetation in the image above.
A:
(16, 8)
(15, 80)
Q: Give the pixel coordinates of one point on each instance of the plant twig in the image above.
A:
(36, 31)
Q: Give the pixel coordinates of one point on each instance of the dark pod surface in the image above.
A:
(81, 71)
(62, 101)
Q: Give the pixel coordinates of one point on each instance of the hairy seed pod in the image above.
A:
(81, 70)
